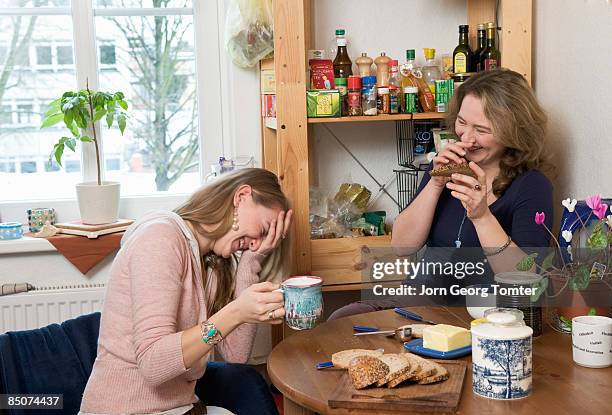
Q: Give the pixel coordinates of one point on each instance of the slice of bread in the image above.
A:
(449, 169)
(440, 374)
(426, 369)
(398, 365)
(342, 359)
(366, 370)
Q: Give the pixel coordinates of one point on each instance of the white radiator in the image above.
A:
(39, 308)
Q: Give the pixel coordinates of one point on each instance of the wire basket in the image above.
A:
(411, 135)
(407, 184)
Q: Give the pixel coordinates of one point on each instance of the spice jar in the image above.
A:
(383, 100)
(501, 355)
(364, 63)
(354, 96)
(341, 86)
(368, 96)
(411, 97)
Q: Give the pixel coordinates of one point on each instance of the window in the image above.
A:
(107, 55)
(64, 55)
(28, 166)
(43, 55)
(145, 49)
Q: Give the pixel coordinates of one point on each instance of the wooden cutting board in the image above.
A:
(436, 397)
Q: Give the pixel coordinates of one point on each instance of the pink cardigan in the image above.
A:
(155, 292)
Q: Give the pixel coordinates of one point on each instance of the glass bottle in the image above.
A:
(463, 55)
(343, 67)
(490, 56)
(413, 77)
(354, 96)
(394, 87)
(482, 41)
(431, 71)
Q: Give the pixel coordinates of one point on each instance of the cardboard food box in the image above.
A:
(323, 103)
(268, 81)
(268, 106)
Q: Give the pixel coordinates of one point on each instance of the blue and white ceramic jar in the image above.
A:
(501, 355)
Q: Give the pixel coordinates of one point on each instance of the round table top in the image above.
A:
(559, 385)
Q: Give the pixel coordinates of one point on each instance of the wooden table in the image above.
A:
(559, 386)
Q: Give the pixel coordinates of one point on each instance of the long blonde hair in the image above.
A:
(212, 205)
(517, 120)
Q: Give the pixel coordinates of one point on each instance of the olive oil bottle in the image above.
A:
(463, 55)
(343, 67)
(490, 56)
(482, 43)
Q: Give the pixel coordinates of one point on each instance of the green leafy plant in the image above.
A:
(81, 110)
(597, 251)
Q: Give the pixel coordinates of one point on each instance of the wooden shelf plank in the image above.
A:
(382, 117)
(340, 260)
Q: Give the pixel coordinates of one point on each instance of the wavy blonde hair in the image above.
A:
(213, 205)
(517, 120)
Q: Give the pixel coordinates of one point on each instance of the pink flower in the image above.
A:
(593, 201)
(539, 218)
(600, 211)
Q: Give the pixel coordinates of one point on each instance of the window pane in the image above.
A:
(34, 3)
(24, 147)
(107, 55)
(155, 69)
(64, 55)
(144, 3)
(43, 55)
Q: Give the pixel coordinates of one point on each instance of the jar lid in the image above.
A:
(10, 225)
(354, 82)
(371, 80)
(518, 278)
(411, 90)
(502, 324)
(383, 90)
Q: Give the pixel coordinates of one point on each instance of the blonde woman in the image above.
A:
(501, 129)
(175, 293)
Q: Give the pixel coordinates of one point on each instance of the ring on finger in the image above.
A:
(477, 187)
(271, 315)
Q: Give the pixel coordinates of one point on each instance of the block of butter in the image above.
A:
(444, 337)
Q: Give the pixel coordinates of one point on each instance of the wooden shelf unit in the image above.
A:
(286, 150)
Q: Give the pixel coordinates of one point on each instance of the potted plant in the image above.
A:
(579, 275)
(79, 111)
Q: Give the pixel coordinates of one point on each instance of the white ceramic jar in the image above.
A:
(501, 355)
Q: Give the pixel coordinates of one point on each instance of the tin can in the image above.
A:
(410, 99)
(444, 93)
(503, 337)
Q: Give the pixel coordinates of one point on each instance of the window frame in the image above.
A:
(209, 97)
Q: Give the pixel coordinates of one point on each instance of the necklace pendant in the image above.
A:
(458, 243)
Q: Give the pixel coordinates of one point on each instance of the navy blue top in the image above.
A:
(515, 211)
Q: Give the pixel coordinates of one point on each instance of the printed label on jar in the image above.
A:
(410, 101)
(354, 102)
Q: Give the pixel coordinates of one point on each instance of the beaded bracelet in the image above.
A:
(498, 250)
(210, 333)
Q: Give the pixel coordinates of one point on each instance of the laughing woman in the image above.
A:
(175, 292)
(501, 129)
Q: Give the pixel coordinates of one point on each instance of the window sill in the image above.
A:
(25, 245)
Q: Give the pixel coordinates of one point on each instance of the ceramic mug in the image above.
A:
(303, 301)
(592, 341)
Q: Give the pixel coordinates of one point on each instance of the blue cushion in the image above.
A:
(53, 359)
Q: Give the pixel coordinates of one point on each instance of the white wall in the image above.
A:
(572, 78)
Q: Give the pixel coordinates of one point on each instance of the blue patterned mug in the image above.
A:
(303, 302)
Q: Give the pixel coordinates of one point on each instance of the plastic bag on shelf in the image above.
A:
(249, 31)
